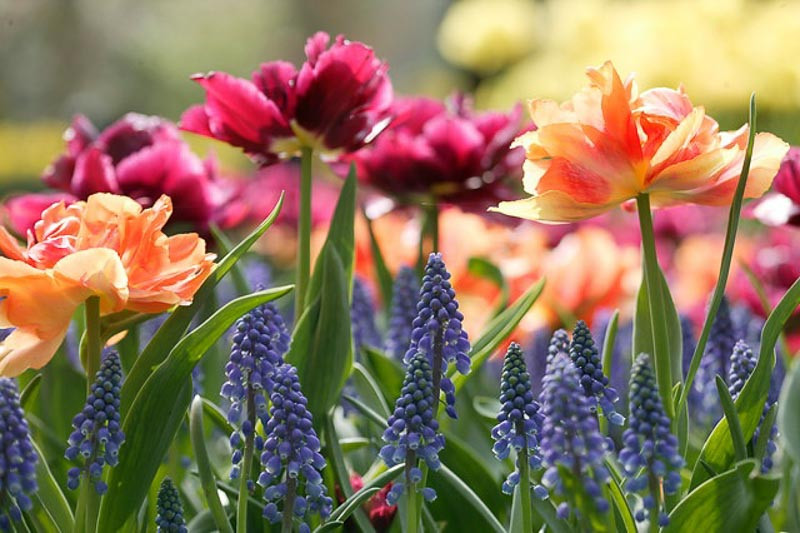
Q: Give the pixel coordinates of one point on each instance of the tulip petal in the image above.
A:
(23, 349)
(552, 206)
(100, 272)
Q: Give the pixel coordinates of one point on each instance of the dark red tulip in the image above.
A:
(338, 101)
(139, 156)
(450, 153)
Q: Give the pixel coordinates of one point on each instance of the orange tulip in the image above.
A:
(610, 143)
(108, 247)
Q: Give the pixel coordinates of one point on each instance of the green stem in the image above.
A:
(524, 483)
(433, 221)
(414, 500)
(288, 506)
(89, 500)
(655, 492)
(303, 233)
(658, 324)
(247, 466)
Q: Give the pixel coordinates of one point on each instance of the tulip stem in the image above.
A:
(303, 233)
(655, 297)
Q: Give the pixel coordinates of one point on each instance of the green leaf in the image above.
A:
(483, 268)
(731, 501)
(365, 410)
(469, 495)
(368, 390)
(496, 331)
(486, 406)
(609, 339)
(175, 326)
(725, 265)
(336, 457)
(159, 408)
(387, 371)
(620, 503)
(322, 346)
(49, 496)
(471, 467)
(332, 525)
(215, 414)
(718, 450)
(350, 444)
(30, 390)
(789, 414)
(385, 282)
(224, 245)
(739, 444)
(207, 480)
(546, 511)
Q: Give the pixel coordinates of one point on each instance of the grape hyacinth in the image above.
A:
(259, 343)
(689, 343)
(716, 359)
(413, 431)
(743, 362)
(404, 310)
(650, 455)
(97, 436)
(570, 437)
(437, 332)
(362, 316)
(586, 357)
(519, 419)
(18, 458)
(559, 343)
(170, 511)
(291, 459)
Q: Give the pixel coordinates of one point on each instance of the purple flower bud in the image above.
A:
(97, 436)
(18, 460)
(404, 309)
(169, 509)
(586, 357)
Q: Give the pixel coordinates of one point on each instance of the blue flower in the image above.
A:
(259, 343)
(18, 459)
(291, 459)
(404, 309)
(97, 436)
(716, 360)
(586, 357)
(570, 438)
(413, 431)
(362, 316)
(169, 517)
(743, 362)
(519, 419)
(689, 342)
(650, 455)
(559, 343)
(437, 332)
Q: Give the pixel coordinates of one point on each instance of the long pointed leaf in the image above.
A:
(170, 332)
(457, 484)
(159, 408)
(50, 497)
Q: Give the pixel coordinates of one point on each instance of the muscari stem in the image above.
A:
(414, 501)
(89, 500)
(655, 492)
(524, 482)
(303, 233)
(288, 506)
(658, 324)
(247, 465)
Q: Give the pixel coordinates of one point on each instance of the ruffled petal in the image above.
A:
(552, 206)
(23, 350)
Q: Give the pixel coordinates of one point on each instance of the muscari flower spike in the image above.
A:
(413, 431)
(586, 357)
(650, 455)
(97, 436)
(519, 419)
(437, 332)
(259, 343)
(743, 362)
(291, 459)
(17, 458)
(362, 316)
(404, 309)
(170, 511)
(715, 361)
(570, 437)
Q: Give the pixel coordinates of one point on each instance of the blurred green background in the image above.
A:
(104, 58)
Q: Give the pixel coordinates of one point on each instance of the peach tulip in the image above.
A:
(610, 143)
(107, 246)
